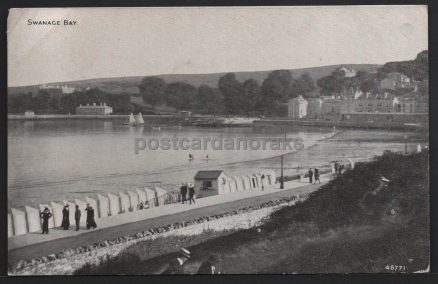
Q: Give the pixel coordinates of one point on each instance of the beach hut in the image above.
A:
(246, 182)
(114, 204)
(141, 195)
(232, 184)
(19, 221)
(57, 213)
(124, 202)
(151, 197)
(211, 182)
(240, 186)
(270, 177)
(133, 201)
(252, 181)
(33, 219)
(103, 205)
(160, 195)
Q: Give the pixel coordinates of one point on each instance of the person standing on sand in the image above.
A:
(317, 176)
(192, 193)
(90, 217)
(310, 175)
(183, 190)
(77, 217)
(65, 218)
(46, 215)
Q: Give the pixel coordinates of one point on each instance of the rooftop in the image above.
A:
(208, 174)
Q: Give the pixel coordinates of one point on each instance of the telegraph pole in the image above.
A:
(281, 178)
(406, 144)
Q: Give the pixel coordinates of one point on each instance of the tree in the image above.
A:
(152, 90)
(251, 95)
(303, 86)
(209, 100)
(275, 90)
(232, 92)
(180, 95)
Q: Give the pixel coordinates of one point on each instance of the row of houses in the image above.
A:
(332, 108)
(94, 109)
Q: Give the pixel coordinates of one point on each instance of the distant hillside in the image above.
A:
(129, 84)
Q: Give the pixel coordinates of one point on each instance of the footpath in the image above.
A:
(31, 245)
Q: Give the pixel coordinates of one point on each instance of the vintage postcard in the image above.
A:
(218, 140)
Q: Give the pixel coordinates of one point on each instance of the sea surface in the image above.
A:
(56, 160)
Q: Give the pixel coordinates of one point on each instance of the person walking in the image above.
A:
(209, 266)
(77, 217)
(183, 190)
(263, 182)
(90, 217)
(317, 176)
(310, 175)
(192, 193)
(65, 217)
(45, 215)
(176, 266)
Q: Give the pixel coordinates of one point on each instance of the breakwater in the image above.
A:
(390, 121)
(67, 261)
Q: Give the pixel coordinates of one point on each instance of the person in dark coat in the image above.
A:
(317, 176)
(209, 266)
(176, 266)
(340, 169)
(90, 217)
(192, 193)
(65, 218)
(310, 176)
(46, 215)
(183, 190)
(77, 217)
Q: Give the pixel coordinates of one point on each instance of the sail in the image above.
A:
(139, 118)
(132, 119)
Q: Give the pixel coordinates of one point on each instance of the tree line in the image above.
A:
(231, 96)
(46, 102)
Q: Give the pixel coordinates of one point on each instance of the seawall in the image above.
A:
(69, 260)
(402, 125)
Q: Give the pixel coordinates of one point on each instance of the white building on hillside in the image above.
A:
(297, 107)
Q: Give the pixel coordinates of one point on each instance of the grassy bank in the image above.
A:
(355, 223)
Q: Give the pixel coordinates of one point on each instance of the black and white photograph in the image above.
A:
(218, 140)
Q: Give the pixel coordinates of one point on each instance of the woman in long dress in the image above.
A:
(65, 218)
(90, 217)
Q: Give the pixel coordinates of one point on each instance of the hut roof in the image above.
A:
(208, 174)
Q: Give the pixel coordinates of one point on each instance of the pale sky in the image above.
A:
(117, 42)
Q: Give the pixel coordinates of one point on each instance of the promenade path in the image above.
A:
(31, 245)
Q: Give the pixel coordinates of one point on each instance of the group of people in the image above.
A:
(143, 205)
(314, 176)
(190, 189)
(176, 266)
(46, 215)
(338, 168)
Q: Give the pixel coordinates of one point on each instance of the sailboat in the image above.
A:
(131, 120)
(139, 118)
